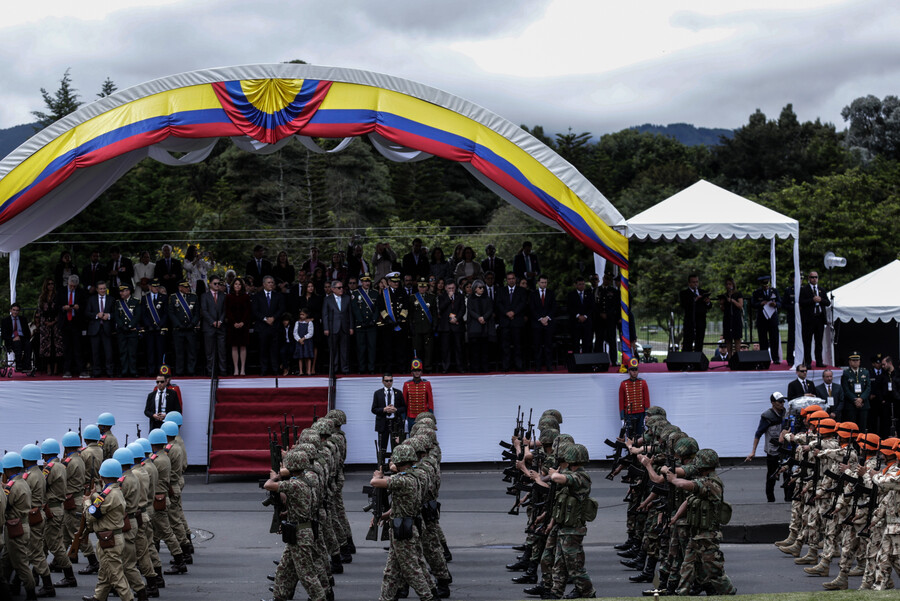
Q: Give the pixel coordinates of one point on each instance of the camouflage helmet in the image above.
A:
(553, 412)
(429, 435)
(655, 410)
(296, 461)
(310, 449)
(424, 439)
(565, 439)
(686, 447)
(404, 453)
(417, 443)
(707, 459)
(425, 414)
(577, 454)
(325, 427)
(415, 429)
(673, 437)
(338, 417)
(548, 436)
(427, 421)
(548, 422)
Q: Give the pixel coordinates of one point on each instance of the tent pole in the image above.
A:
(798, 327)
(13, 274)
(627, 351)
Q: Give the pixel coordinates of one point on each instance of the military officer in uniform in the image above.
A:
(857, 387)
(31, 454)
(75, 485)
(607, 302)
(417, 394)
(184, 317)
(18, 503)
(55, 477)
(422, 319)
(393, 313)
(363, 302)
(154, 314)
(128, 324)
(634, 400)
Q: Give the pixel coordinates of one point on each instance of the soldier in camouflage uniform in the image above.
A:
(888, 555)
(431, 543)
(703, 562)
(685, 452)
(402, 562)
(877, 553)
(92, 456)
(184, 319)
(338, 437)
(17, 494)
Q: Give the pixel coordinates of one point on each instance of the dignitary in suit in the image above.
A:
(543, 312)
(337, 325)
(184, 319)
(832, 394)
(766, 301)
(479, 326)
(526, 264)
(72, 303)
(268, 307)
(694, 303)
(127, 312)
(168, 270)
(415, 262)
(100, 330)
(363, 302)
(95, 272)
(17, 337)
(800, 386)
(212, 311)
(607, 305)
(422, 321)
(155, 317)
(813, 302)
(393, 313)
(492, 262)
(160, 401)
(451, 315)
(119, 270)
(389, 409)
(510, 311)
(258, 266)
(580, 304)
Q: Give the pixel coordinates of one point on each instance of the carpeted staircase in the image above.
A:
(240, 434)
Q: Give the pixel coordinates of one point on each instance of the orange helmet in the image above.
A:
(847, 431)
(888, 446)
(815, 416)
(870, 441)
(827, 426)
(809, 409)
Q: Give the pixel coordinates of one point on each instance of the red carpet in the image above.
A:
(240, 436)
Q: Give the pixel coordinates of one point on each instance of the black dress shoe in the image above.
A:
(520, 548)
(519, 566)
(528, 577)
(576, 595)
(535, 590)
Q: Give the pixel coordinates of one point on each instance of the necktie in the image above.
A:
(215, 297)
(71, 313)
(338, 300)
(159, 401)
(268, 300)
(542, 297)
(168, 264)
(829, 390)
(581, 297)
(101, 304)
(16, 328)
(259, 265)
(390, 401)
(511, 294)
(491, 292)
(527, 263)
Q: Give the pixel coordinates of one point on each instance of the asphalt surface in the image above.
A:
(234, 550)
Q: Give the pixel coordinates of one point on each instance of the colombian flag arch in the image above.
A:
(62, 169)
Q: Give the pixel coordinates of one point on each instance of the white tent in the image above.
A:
(873, 297)
(705, 211)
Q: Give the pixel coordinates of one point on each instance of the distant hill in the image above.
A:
(687, 134)
(11, 137)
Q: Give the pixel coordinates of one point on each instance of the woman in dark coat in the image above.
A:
(313, 302)
(237, 315)
(479, 321)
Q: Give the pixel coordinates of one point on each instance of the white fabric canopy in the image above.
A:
(704, 211)
(873, 297)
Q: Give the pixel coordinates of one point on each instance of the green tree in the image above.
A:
(60, 104)
(874, 126)
(108, 88)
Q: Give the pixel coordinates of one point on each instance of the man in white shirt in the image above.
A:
(813, 302)
(389, 409)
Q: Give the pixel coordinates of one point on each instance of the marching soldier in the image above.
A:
(162, 527)
(422, 319)
(34, 476)
(75, 486)
(128, 325)
(143, 533)
(154, 313)
(154, 574)
(184, 318)
(108, 441)
(130, 485)
(364, 301)
(17, 531)
(178, 461)
(92, 455)
(55, 477)
(393, 313)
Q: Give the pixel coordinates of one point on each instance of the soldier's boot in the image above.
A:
(345, 557)
(443, 588)
(329, 594)
(537, 590)
(810, 559)
(141, 595)
(529, 577)
(522, 564)
(92, 567)
(151, 588)
(448, 556)
(790, 540)
(794, 549)
(859, 570)
(629, 542)
(576, 595)
(47, 590)
(186, 554)
(190, 547)
(403, 591)
(647, 574)
(520, 547)
(865, 586)
(336, 566)
(637, 563)
(15, 586)
(30, 594)
(68, 580)
(838, 584)
(820, 569)
(55, 569)
(160, 582)
(351, 546)
(550, 595)
(178, 567)
(632, 551)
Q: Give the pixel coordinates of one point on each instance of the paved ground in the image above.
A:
(235, 551)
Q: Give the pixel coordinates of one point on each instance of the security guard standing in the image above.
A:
(393, 313)
(31, 454)
(184, 318)
(422, 319)
(154, 316)
(17, 532)
(363, 305)
(128, 324)
(607, 303)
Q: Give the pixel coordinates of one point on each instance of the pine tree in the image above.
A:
(65, 101)
(107, 88)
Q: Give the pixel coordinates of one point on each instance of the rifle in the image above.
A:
(138, 427)
(274, 498)
(518, 485)
(76, 540)
(870, 506)
(551, 493)
(618, 448)
(79, 432)
(379, 502)
(315, 417)
(840, 480)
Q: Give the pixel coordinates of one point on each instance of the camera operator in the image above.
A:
(770, 426)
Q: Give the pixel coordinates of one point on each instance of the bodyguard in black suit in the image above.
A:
(258, 267)
(832, 394)
(160, 401)
(416, 263)
(386, 402)
(17, 337)
(492, 262)
(168, 270)
(268, 306)
(451, 311)
(510, 313)
(580, 304)
(99, 329)
(543, 311)
(813, 301)
(694, 303)
(120, 270)
(526, 264)
(800, 386)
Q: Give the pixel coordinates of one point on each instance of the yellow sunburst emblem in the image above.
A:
(271, 95)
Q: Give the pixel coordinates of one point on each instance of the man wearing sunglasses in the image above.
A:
(160, 401)
(389, 409)
(801, 386)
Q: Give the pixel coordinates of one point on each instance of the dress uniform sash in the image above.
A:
(389, 308)
(153, 312)
(124, 306)
(422, 304)
(184, 305)
(369, 303)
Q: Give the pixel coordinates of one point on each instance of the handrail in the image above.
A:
(213, 389)
(332, 375)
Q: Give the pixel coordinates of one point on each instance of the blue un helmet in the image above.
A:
(50, 447)
(110, 469)
(157, 436)
(71, 440)
(124, 456)
(12, 461)
(175, 416)
(31, 452)
(145, 444)
(137, 449)
(170, 428)
(91, 432)
(106, 419)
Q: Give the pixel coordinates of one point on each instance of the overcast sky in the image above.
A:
(592, 65)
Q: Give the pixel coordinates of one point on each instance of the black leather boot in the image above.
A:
(92, 567)
(160, 581)
(631, 552)
(520, 547)
(47, 590)
(443, 588)
(521, 564)
(403, 591)
(647, 574)
(626, 545)
(351, 546)
(535, 591)
(68, 580)
(336, 566)
(529, 577)
(152, 590)
(141, 595)
(178, 567)
(637, 563)
(448, 556)
(30, 594)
